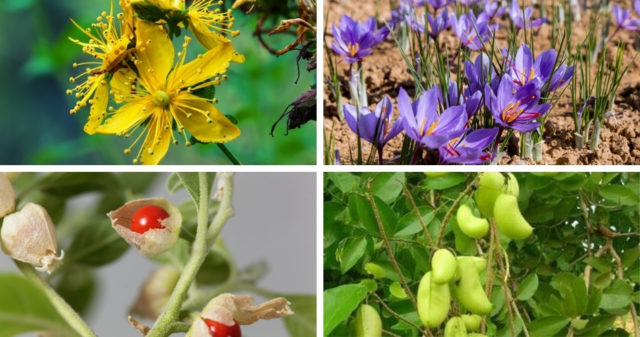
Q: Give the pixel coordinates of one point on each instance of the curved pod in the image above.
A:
(443, 266)
(490, 186)
(368, 322)
(469, 291)
(472, 322)
(434, 300)
(455, 328)
(471, 225)
(509, 220)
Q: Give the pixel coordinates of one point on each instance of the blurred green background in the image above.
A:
(35, 65)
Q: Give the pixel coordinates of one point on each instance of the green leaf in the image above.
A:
(527, 287)
(77, 286)
(409, 224)
(573, 293)
(367, 217)
(350, 252)
(619, 194)
(547, 326)
(191, 182)
(388, 186)
(217, 266)
(346, 182)
(339, 303)
(303, 323)
(597, 325)
(616, 296)
(67, 184)
(25, 308)
(177, 256)
(443, 182)
(96, 245)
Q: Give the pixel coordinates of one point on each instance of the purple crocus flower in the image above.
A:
(493, 9)
(521, 21)
(516, 108)
(469, 150)
(354, 40)
(472, 31)
(480, 73)
(471, 101)
(636, 6)
(437, 4)
(422, 122)
(438, 23)
(374, 127)
(525, 69)
(623, 18)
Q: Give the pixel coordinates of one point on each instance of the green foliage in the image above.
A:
(586, 226)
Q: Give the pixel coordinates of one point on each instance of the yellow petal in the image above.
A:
(127, 117)
(154, 54)
(121, 85)
(239, 3)
(99, 106)
(212, 63)
(157, 142)
(191, 111)
(206, 37)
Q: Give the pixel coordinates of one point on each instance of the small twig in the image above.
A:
(393, 313)
(620, 274)
(427, 235)
(452, 209)
(387, 246)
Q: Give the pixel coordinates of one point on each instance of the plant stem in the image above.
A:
(453, 208)
(62, 307)
(200, 249)
(225, 210)
(228, 153)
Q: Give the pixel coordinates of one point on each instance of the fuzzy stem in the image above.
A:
(62, 307)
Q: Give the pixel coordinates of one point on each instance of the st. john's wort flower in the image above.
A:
(623, 17)
(354, 40)
(522, 19)
(424, 124)
(470, 149)
(373, 126)
(516, 108)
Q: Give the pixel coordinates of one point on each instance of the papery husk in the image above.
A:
(154, 241)
(155, 292)
(229, 309)
(7, 196)
(29, 236)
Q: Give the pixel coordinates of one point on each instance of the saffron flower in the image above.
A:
(636, 6)
(422, 122)
(480, 73)
(473, 32)
(109, 43)
(525, 69)
(623, 18)
(439, 23)
(373, 126)
(437, 4)
(516, 108)
(354, 40)
(522, 19)
(157, 97)
(492, 9)
(470, 149)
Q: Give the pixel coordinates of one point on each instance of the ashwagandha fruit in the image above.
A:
(29, 236)
(443, 266)
(217, 329)
(230, 309)
(455, 328)
(469, 291)
(509, 220)
(490, 186)
(152, 241)
(368, 322)
(472, 322)
(434, 300)
(7, 196)
(471, 225)
(155, 292)
(147, 217)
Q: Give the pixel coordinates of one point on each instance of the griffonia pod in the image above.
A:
(471, 225)
(434, 301)
(490, 186)
(509, 220)
(7, 196)
(368, 322)
(469, 291)
(155, 292)
(231, 310)
(443, 266)
(29, 236)
(455, 328)
(155, 239)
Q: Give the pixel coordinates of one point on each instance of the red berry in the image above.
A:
(218, 329)
(147, 217)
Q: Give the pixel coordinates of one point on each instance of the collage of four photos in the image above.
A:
(334, 168)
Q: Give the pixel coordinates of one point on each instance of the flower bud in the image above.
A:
(7, 196)
(153, 241)
(29, 236)
(230, 309)
(155, 292)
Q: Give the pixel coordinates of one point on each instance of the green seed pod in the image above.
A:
(471, 225)
(490, 186)
(509, 220)
(368, 322)
(443, 266)
(455, 328)
(472, 322)
(479, 262)
(475, 334)
(469, 291)
(434, 300)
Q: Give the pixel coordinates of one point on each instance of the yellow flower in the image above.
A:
(109, 44)
(208, 26)
(176, 5)
(159, 98)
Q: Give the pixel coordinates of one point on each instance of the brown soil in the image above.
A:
(386, 72)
